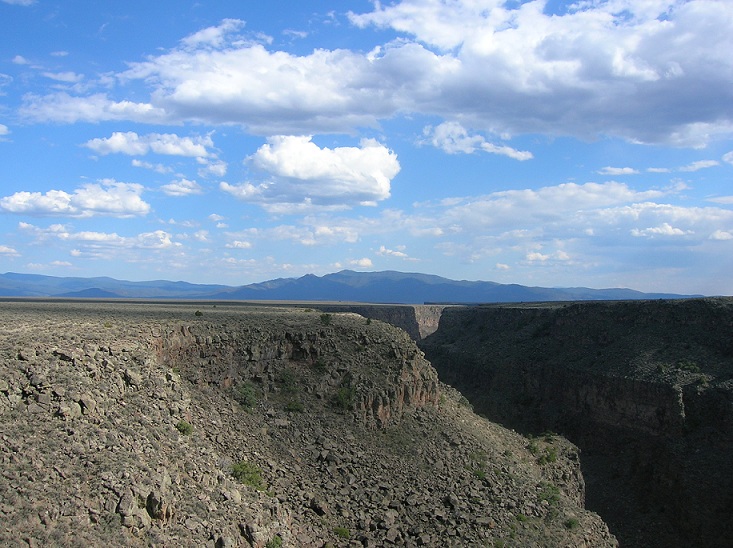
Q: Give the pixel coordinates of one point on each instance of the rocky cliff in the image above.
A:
(418, 321)
(644, 388)
(170, 425)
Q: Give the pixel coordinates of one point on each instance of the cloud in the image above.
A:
(4, 130)
(158, 168)
(67, 77)
(728, 157)
(132, 144)
(598, 68)
(214, 37)
(97, 243)
(537, 257)
(212, 168)
(721, 235)
(239, 244)
(182, 187)
(452, 137)
(617, 171)
(649, 72)
(109, 198)
(8, 251)
(20, 2)
(298, 172)
(398, 253)
(702, 164)
(665, 229)
(540, 207)
(361, 263)
(392, 252)
(64, 108)
(588, 223)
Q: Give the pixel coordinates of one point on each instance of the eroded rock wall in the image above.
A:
(386, 373)
(418, 321)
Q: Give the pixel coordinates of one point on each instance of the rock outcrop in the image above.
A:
(644, 388)
(170, 425)
(418, 321)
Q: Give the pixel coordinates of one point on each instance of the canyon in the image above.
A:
(203, 424)
(644, 388)
(370, 425)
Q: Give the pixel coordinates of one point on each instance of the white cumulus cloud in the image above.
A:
(665, 229)
(452, 137)
(182, 187)
(8, 251)
(110, 198)
(364, 262)
(593, 69)
(297, 171)
(132, 144)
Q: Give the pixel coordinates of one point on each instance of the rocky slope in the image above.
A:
(150, 425)
(644, 388)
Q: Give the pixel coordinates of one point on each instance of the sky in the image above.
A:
(546, 143)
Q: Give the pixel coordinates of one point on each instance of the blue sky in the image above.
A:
(551, 143)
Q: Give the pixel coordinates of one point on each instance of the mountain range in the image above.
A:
(347, 285)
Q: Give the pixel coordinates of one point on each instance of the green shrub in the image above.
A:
(342, 532)
(248, 474)
(294, 406)
(184, 428)
(198, 313)
(290, 381)
(687, 365)
(274, 542)
(571, 523)
(326, 319)
(479, 461)
(246, 395)
(344, 398)
(550, 493)
(548, 456)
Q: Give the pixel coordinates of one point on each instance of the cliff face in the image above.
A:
(383, 372)
(418, 321)
(163, 425)
(644, 388)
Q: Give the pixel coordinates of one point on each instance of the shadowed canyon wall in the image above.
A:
(644, 388)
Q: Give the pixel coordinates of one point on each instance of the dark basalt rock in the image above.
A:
(151, 425)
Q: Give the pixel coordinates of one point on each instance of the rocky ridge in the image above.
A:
(151, 425)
